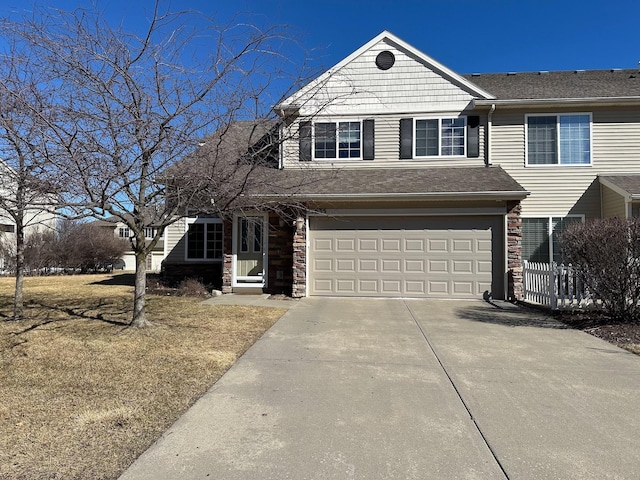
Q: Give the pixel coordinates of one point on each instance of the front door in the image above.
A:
(250, 251)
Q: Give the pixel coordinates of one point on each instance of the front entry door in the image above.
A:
(250, 251)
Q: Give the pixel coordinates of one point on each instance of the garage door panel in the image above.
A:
(391, 245)
(367, 265)
(438, 266)
(367, 244)
(324, 265)
(414, 245)
(462, 266)
(415, 266)
(345, 245)
(437, 245)
(446, 257)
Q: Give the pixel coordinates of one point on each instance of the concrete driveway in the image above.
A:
(412, 389)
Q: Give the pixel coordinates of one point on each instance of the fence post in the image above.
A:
(553, 297)
(524, 279)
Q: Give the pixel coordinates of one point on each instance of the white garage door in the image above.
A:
(402, 257)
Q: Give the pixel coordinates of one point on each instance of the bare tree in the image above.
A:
(25, 195)
(129, 105)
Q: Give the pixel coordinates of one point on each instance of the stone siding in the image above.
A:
(299, 259)
(514, 252)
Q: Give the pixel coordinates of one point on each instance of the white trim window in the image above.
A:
(440, 137)
(204, 238)
(558, 139)
(337, 140)
(150, 232)
(540, 237)
(124, 232)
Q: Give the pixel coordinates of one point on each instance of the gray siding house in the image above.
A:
(429, 183)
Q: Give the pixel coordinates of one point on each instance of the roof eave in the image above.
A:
(458, 196)
(545, 102)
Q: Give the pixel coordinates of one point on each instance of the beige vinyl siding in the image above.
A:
(174, 236)
(613, 204)
(387, 146)
(360, 88)
(561, 190)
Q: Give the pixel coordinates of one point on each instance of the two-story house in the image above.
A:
(128, 260)
(436, 184)
(35, 219)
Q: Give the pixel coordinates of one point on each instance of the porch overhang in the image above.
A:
(627, 186)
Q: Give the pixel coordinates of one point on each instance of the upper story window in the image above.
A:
(124, 232)
(440, 137)
(342, 140)
(559, 139)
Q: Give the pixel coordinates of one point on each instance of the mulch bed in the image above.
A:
(598, 325)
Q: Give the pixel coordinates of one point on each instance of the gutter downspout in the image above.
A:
(489, 123)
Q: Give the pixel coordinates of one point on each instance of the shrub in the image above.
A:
(190, 287)
(607, 255)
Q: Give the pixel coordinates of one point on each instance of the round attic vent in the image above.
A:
(385, 60)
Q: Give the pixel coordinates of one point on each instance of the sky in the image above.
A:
(477, 36)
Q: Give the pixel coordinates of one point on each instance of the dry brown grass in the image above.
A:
(81, 395)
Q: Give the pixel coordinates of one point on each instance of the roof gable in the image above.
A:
(415, 82)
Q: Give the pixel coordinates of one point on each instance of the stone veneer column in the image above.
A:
(299, 259)
(514, 252)
(227, 257)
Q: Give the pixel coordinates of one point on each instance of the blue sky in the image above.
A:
(466, 36)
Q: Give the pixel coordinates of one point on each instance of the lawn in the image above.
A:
(82, 395)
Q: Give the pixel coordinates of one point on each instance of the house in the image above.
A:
(128, 260)
(429, 183)
(35, 220)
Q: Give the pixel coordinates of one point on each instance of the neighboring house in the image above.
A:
(128, 260)
(430, 183)
(35, 220)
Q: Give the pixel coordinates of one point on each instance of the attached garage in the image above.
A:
(405, 256)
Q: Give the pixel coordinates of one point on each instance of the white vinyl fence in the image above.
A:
(556, 286)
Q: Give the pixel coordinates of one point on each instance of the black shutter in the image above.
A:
(368, 139)
(305, 141)
(473, 136)
(406, 138)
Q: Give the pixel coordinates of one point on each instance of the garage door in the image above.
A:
(404, 256)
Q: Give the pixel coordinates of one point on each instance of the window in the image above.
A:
(150, 232)
(540, 238)
(440, 137)
(124, 232)
(7, 228)
(559, 139)
(250, 235)
(338, 140)
(204, 238)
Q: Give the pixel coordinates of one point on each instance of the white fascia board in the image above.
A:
(290, 102)
(558, 102)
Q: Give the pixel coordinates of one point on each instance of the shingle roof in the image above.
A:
(628, 183)
(562, 84)
(372, 182)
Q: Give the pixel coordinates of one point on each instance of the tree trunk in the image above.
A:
(18, 298)
(139, 302)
